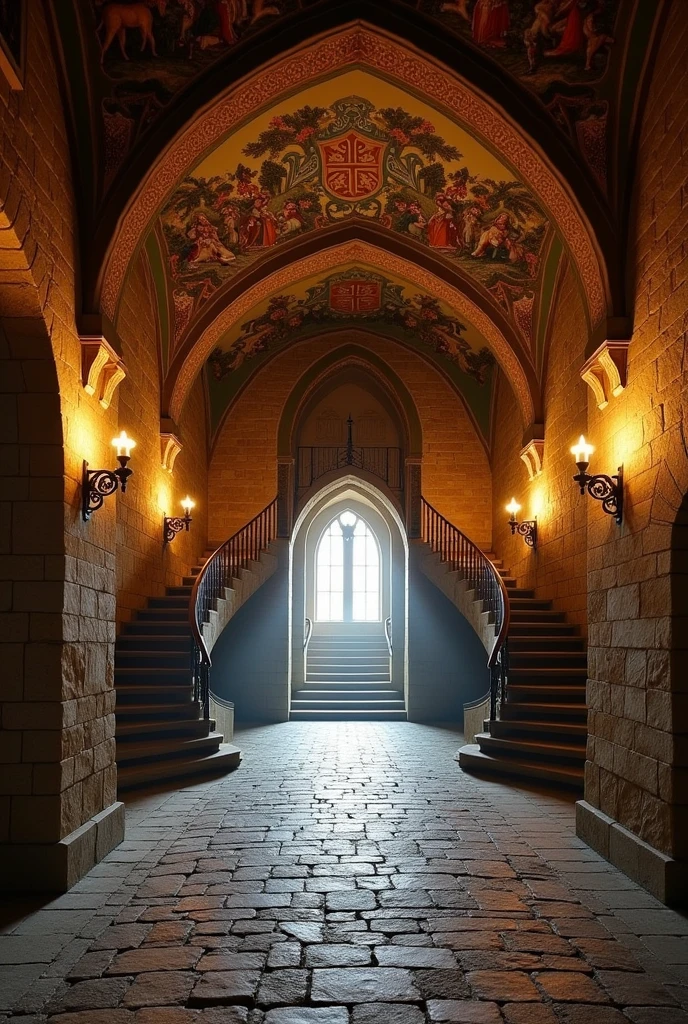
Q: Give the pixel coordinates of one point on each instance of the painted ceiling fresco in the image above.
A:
(354, 296)
(153, 50)
(331, 154)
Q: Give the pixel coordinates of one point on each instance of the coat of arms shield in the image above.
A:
(352, 166)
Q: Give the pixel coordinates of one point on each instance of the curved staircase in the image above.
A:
(160, 733)
(542, 730)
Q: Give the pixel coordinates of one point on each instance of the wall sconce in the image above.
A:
(527, 529)
(97, 484)
(175, 524)
(607, 489)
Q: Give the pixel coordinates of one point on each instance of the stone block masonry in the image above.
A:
(353, 892)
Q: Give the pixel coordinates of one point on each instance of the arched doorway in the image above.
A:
(348, 590)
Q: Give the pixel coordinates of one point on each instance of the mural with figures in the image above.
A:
(557, 48)
(355, 297)
(150, 50)
(310, 165)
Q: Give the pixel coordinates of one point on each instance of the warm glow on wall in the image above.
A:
(164, 498)
(537, 503)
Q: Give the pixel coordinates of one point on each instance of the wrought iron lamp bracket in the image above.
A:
(98, 484)
(607, 489)
(526, 529)
(174, 525)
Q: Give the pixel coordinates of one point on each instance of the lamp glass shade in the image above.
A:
(123, 444)
(513, 507)
(187, 504)
(582, 450)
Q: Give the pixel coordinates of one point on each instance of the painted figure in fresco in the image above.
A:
(538, 34)
(471, 227)
(497, 236)
(579, 31)
(291, 220)
(116, 18)
(490, 22)
(260, 226)
(231, 216)
(207, 247)
(416, 221)
(442, 228)
(459, 7)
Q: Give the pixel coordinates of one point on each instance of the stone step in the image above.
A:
(524, 616)
(178, 746)
(225, 759)
(543, 710)
(545, 643)
(183, 591)
(556, 750)
(348, 677)
(529, 604)
(154, 726)
(141, 658)
(558, 628)
(168, 602)
(545, 673)
(337, 693)
(472, 759)
(566, 693)
(138, 693)
(353, 715)
(165, 644)
(159, 614)
(158, 711)
(152, 674)
(355, 687)
(346, 705)
(552, 658)
(155, 628)
(515, 727)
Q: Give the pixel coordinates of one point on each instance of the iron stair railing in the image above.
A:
(482, 577)
(217, 574)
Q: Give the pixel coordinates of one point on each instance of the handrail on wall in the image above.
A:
(222, 567)
(388, 634)
(307, 633)
(466, 557)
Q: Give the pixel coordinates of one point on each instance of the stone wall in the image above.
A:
(144, 565)
(557, 568)
(243, 469)
(637, 772)
(57, 722)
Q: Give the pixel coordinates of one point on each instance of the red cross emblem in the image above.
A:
(355, 296)
(352, 166)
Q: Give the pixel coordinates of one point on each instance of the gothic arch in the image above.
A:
(189, 363)
(357, 45)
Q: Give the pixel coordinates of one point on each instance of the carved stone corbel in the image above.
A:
(532, 454)
(102, 369)
(170, 447)
(606, 370)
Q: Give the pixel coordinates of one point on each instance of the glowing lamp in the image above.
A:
(123, 445)
(175, 524)
(604, 488)
(582, 451)
(98, 484)
(527, 529)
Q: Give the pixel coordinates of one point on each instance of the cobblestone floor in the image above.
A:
(348, 874)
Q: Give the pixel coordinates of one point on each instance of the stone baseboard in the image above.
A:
(56, 867)
(664, 877)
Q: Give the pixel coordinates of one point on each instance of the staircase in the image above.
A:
(160, 733)
(542, 728)
(348, 677)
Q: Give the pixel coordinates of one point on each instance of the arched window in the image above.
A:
(347, 572)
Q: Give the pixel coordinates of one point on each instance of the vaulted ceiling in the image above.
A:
(290, 166)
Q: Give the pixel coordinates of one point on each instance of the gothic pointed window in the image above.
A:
(347, 572)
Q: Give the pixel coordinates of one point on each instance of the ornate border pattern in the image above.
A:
(356, 45)
(329, 259)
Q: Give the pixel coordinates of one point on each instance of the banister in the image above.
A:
(307, 633)
(223, 565)
(463, 555)
(388, 634)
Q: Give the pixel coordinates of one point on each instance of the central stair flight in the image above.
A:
(348, 677)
